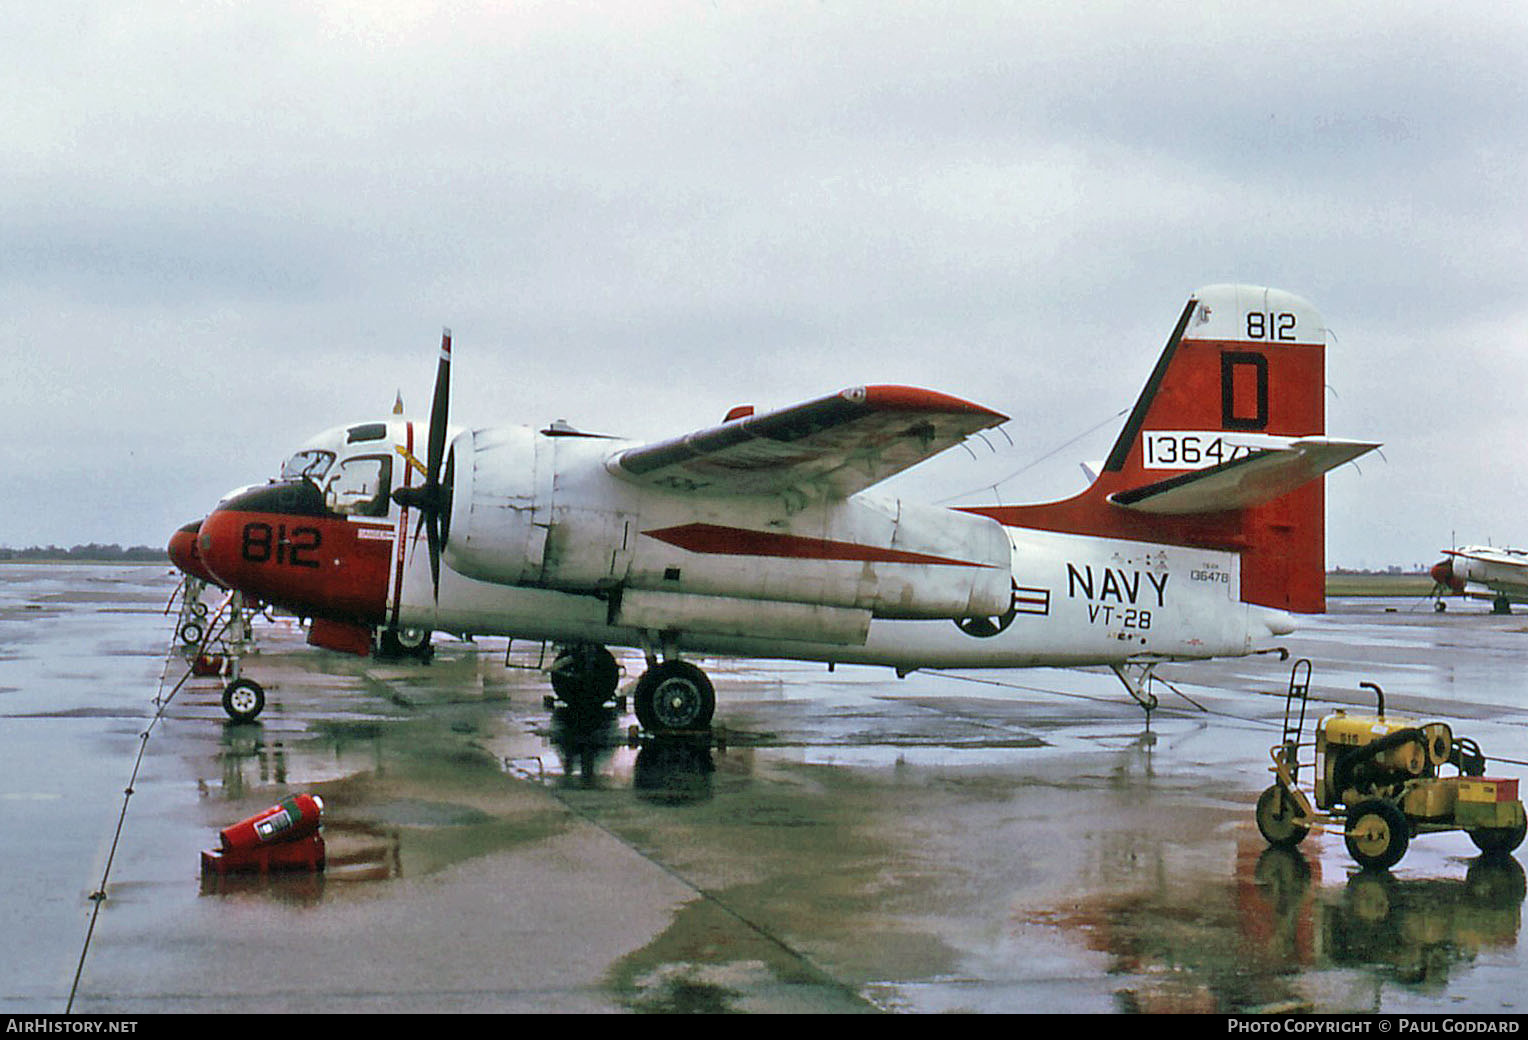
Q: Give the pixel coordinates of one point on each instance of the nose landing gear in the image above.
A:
(214, 643)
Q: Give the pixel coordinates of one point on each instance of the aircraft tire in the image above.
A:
(674, 697)
(394, 643)
(1377, 834)
(243, 700)
(1274, 814)
(585, 676)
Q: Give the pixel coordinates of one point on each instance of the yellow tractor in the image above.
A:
(1381, 779)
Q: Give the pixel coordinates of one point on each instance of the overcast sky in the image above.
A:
(225, 227)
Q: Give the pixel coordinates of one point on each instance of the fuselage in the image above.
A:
(545, 542)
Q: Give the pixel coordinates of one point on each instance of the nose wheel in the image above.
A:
(674, 697)
(243, 700)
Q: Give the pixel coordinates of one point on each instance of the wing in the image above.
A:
(833, 446)
(1515, 558)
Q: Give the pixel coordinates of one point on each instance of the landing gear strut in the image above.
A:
(215, 644)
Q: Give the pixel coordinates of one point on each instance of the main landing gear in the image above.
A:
(672, 696)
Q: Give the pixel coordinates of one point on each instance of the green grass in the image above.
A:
(1378, 584)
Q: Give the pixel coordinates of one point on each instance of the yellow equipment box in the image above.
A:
(1487, 789)
(1432, 799)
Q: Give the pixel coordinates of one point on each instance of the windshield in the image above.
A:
(359, 486)
(312, 464)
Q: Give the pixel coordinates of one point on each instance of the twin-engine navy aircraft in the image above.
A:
(1482, 572)
(762, 537)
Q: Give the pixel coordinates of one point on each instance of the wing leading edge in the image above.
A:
(833, 446)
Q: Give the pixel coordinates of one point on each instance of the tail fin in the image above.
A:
(1225, 448)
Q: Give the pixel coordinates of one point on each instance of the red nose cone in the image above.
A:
(185, 555)
(278, 544)
(1443, 573)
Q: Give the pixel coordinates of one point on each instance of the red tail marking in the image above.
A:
(1232, 386)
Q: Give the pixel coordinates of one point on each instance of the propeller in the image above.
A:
(433, 497)
(1443, 574)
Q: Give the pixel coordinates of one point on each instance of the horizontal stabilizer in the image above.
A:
(1250, 480)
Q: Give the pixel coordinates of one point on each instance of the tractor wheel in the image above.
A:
(1498, 841)
(1276, 812)
(1377, 834)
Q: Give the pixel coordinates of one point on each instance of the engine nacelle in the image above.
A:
(541, 509)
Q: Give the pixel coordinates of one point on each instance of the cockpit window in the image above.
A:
(359, 486)
(366, 432)
(311, 464)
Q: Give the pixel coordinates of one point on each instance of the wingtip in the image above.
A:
(916, 399)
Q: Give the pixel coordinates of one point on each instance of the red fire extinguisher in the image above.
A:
(288, 820)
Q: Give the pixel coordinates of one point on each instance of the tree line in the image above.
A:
(95, 552)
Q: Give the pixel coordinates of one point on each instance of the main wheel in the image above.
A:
(1377, 834)
(1498, 840)
(585, 676)
(243, 700)
(1276, 813)
(674, 696)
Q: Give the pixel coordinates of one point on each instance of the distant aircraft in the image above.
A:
(1497, 574)
(761, 537)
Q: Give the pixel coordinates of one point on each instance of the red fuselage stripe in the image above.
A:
(715, 540)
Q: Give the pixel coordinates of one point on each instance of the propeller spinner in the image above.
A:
(1443, 574)
(433, 497)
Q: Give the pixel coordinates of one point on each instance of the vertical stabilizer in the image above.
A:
(1224, 448)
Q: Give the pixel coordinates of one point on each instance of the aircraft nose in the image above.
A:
(1443, 573)
(281, 545)
(185, 555)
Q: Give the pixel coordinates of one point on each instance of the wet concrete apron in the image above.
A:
(845, 842)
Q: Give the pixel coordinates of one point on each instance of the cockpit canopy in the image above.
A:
(313, 464)
(350, 465)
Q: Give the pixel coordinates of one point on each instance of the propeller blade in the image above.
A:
(433, 530)
(439, 415)
(431, 498)
(439, 412)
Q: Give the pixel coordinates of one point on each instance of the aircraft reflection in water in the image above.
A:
(1247, 946)
(669, 769)
(1201, 535)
